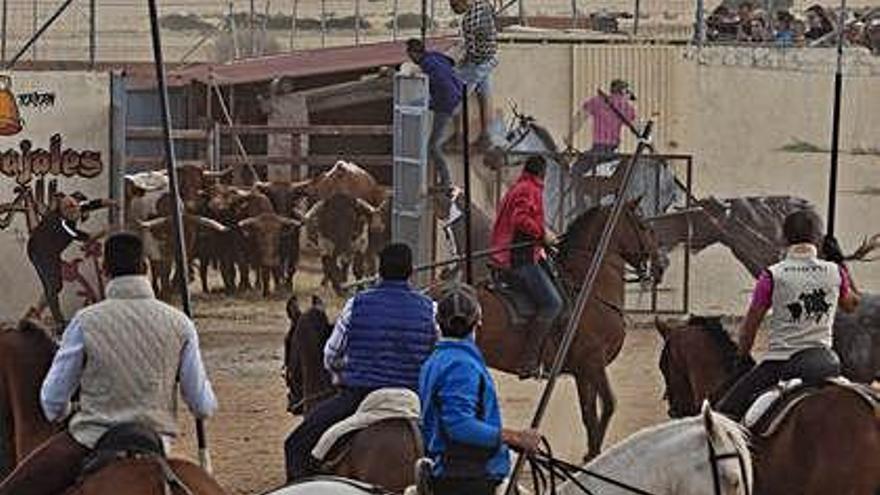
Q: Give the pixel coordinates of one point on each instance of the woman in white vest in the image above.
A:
(125, 354)
(804, 293)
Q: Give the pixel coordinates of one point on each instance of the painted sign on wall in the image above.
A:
(54, 172)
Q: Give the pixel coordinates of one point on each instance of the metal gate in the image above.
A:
(411, 217)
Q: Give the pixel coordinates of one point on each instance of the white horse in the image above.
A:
(701, 455)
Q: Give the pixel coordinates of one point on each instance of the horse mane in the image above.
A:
(714, 328)
(577, 225)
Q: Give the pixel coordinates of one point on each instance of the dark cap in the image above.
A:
(458, 310)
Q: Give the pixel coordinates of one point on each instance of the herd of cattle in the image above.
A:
(243, 230)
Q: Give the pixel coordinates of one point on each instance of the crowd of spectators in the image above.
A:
(816, 27)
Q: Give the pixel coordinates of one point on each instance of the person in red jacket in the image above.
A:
(521, 219)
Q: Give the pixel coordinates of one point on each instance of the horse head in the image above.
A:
(698, 362)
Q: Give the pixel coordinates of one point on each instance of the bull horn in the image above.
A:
(220, 173)
(208, 223)
(366, 206)
(313, 210)
(154, 223)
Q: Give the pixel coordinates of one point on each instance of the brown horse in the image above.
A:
(383, 454)
(26, 353)
(829, 443)
(601, 327)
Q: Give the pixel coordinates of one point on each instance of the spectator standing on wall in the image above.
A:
(479, 32)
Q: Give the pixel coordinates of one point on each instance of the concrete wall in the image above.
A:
(733, 112)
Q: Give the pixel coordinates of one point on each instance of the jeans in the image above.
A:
(587, 163)
(542, 291)
(478, 76)
(439, 123)
(447, 486)
(747, 389)
(298, 446)
(49, 470)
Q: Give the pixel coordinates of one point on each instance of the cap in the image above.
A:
(458, 301)
(619, 85)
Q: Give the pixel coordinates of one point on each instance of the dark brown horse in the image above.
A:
(26, 353)
(829, 443)
(383, 454)
(601, 327)
(146, 477)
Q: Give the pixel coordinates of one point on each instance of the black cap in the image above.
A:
(458, 310)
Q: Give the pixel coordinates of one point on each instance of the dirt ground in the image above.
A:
(242, 342)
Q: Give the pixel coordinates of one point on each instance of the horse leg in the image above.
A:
(588, 397)
(609, 404)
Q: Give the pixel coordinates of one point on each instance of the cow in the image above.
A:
(340, 226)
(285, 198)
(344, 178)
(264, 233)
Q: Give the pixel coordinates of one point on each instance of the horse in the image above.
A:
(146, 476)
(751, 227)
(26, 353)
(706, 454)
(600, 331)
(829, 443)
(653, 183)
(382, 454)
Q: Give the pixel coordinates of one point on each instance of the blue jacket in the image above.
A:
(445, 87)
(391, 331)
(461, 420)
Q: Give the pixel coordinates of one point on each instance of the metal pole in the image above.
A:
(180, 252)
(424, 20)
(36, 35)
(234, 30)
(394, 25)
(574, 13)
(3, 28)
(323, 23)
(357, 22)
(522, 12)
(466, 161)
(583, 296)
(636, 18)
(253, 26)
(34, 14)
(433, 17)
(93, 33)
(293, 14)
(700, 28)
(835, 129)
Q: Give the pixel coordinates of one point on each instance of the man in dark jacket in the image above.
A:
(461, 420)
(446, 90)
(521, 219)
(50, 238)
(381, 338)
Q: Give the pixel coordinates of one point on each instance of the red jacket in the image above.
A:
(522, 211)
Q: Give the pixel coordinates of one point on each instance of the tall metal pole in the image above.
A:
(636, 17)
(3, 29)
(177, 217)
(424, 20)
(584, 295)
(394, 20)
(323, 23)
(835, 124)
(253, 25)
(700, 26)
(357, 22)
(293, 14)
(34, 36)
(522, 12)
(466, 162)
(93, 33)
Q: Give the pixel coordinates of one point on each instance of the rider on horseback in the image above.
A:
(804, 293)
(520, 220)
(125, 355)
(461, 420)
(381, 338)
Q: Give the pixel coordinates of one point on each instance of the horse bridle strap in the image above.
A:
(715, 458)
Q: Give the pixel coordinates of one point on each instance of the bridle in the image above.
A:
(546, 470)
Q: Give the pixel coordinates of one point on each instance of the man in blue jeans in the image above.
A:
(479, 32)
(446, 90)
(381, 338)
(520, 220)
(461, 419)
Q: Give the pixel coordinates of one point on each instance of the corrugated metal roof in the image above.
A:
(302, 63)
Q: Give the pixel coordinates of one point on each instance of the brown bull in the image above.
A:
(264, 232)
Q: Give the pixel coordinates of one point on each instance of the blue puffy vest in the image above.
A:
(392, 332)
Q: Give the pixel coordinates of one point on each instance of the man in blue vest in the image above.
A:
(381, 338)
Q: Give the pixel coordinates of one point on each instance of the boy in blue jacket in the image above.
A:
(461, 420)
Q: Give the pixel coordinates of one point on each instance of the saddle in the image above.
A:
(772, 408)
(133, 441)
(507, 287)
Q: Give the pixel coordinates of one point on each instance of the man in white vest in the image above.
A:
(804, 293)
(125, 354)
